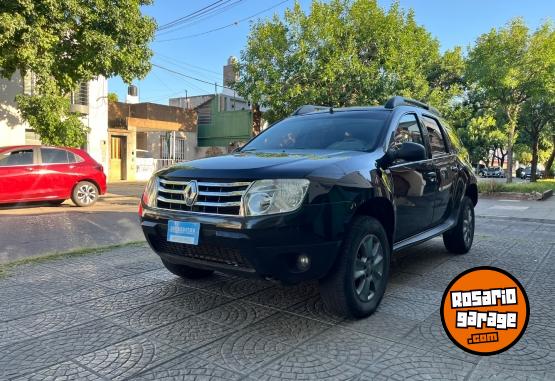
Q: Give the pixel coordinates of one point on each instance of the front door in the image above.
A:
(414, 183)
(446, 169)
(19, 175)
(117, 158)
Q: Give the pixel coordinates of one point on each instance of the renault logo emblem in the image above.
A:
(190, 193)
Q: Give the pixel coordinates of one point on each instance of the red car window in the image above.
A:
(17, 157)
(54, 156)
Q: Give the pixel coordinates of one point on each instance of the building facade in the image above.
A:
(90, 100)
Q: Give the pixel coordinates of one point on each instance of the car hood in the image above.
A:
(265, 164)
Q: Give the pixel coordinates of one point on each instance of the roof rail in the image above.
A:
(309, 108)
(402, 101)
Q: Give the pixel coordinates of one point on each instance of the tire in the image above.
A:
(343, 289)
(84, 193)
(187, 272)
(55, 202)
(458, 240)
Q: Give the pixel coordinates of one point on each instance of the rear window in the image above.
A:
(55, 156)
(16, 157)
(350, 131)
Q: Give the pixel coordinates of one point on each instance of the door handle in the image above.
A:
(29, 169)
(431, 176)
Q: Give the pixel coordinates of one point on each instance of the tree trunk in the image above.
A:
(256, 119)
(549, 162)
(512, 116)
(534, 164)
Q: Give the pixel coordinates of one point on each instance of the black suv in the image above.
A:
(326, 194)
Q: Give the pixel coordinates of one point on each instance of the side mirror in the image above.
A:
(408, 151)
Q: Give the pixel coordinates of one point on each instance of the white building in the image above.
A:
(90, 100)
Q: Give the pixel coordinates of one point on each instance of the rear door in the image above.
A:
(57, 175)
(414, 183)
(445, 166)
(19, 175)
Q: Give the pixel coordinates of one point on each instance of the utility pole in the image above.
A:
(186, 99)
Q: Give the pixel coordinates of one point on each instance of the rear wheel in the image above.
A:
(356, 284)
(187, 272)
(459, 239)
(84, 193)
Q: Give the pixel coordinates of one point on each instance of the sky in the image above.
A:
(193, 49)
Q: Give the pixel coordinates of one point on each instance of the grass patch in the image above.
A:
(526, 187)
(4, 268)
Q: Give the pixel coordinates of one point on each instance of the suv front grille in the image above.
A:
(213, 197)
(207, 253)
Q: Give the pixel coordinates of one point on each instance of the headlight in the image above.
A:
(151, 191)
(274, 196)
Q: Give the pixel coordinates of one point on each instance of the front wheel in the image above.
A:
(356, 284)
(186, 271)
(84, 193)
(458, 240)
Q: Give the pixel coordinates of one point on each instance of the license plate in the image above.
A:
(183, 232)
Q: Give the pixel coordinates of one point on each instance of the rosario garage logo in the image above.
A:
(485, 310)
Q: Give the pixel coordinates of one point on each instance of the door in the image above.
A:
(445, 164)
(414, 183)
(19, 174)
(117, 158)
(58, 174)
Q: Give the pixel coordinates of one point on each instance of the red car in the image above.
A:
(53, 174)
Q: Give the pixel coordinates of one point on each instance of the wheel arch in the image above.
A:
(381, 209)
(471, 192)
(95, 183)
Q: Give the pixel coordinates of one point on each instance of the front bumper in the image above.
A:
(263, 246)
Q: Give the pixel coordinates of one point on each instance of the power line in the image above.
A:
(199, 18)
(190, 77)
(225, 26)
(192, 14)
(177, 62)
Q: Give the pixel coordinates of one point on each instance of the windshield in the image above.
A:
(351, 131)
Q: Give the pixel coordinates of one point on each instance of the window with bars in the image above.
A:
(81, 95)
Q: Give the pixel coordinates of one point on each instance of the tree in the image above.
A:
(50, 118)
(510, 65)
(64, 43)
(112, 97)
(343, 53)
(537, 114)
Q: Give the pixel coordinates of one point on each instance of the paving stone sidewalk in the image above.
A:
(119, 315)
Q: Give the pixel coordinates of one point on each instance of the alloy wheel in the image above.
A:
(86, 194)
(369, 268)
(468, 225)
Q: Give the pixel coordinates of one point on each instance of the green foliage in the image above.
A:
(489, 186)
(509, 67)
(49, 116)
(112, 97)
(64, 43)
(72, 41)
(344, 53)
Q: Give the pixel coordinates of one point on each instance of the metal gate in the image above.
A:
(173, 150)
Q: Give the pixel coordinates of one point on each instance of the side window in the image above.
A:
(408, 130)
(54, 156)
(17, 157)
(437, 142)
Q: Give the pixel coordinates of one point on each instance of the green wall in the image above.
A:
(226, 127)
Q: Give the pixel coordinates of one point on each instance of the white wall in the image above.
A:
(97, 121)
(12, 127)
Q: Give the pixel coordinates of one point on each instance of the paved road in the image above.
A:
(39, 229)
(119, 315)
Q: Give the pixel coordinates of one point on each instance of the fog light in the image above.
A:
(303, 262)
